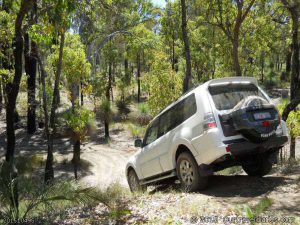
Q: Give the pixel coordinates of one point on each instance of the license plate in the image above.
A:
(262, 115)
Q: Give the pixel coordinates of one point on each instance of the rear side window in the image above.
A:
(177, 114)
(227, 96)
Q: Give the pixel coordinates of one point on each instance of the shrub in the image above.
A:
(123, 106)
(143, 116)
(293, 121)
(45, 201)
(136, 131)
(80, 121)
(163, 84)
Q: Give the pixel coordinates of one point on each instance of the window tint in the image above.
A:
(190, 107)
(227, 96)
(165, 123)
(151, 134)
(177, 114)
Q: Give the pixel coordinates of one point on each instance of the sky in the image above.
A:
(160, 3)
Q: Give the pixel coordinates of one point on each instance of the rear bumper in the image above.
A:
(244, 147)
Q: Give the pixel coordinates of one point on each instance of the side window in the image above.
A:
(177, 114)
(190, 107)
(151, 134)
(165, 123)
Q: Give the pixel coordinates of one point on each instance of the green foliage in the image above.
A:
(143, 108)
(80, 121)
(293, 121)
(75, 67)
(252, 212)
(106, 110)
(136, 130)
(163, 84)
(123, 106)
(27, 164)
(37, 200)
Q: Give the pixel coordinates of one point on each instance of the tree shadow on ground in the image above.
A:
(233, 186)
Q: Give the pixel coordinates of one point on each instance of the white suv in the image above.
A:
(222, 123)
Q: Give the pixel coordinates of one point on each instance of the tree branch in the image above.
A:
(290, 107)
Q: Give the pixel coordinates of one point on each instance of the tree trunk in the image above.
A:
(81, 93)
(295, 78)
(30, 69)
(188, 69)
(49, 173)
(235, 55)
(288, 60)
(173, 52)
(1, 95)
(292, 148)
(108, 88)
(138, 64)
(12, 94)
(76, 157)
(262, 64)
(13, 88)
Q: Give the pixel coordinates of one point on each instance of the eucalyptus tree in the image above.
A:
(170, 32)
(188, 64)
(293, 8)
(7, 19)
(56, 16)
(13, 87)
(31, 69)
(229, 17)
(75, 69)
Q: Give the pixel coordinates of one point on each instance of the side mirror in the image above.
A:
(138, 143)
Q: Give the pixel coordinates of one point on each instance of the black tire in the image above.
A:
(188, 173)
(134, 182)
(258, 169)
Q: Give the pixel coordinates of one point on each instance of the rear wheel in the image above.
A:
(188, 173)
(258, 169)
(134, 182)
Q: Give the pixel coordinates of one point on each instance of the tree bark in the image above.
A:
(288, 61)
(1, 95)
(30, 69)
(138, 63)
(295, 75)
(49, 173)
(292, 148)
(262, 64)
(290, 107)
(295, 78)
(108, 88)
(188, 69)
(235, 56)
(81, 94)
(13, 88)
(76, 157)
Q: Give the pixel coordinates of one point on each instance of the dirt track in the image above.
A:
(108, 163)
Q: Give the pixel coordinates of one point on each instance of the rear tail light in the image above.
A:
(227, 148)
(209, 121)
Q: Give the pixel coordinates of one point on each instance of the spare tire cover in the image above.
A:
(255, 118)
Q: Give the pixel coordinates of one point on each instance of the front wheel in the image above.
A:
(134, 182)
(188, 173)
(258, 169)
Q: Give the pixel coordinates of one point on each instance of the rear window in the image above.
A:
(227, 96)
